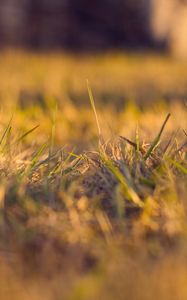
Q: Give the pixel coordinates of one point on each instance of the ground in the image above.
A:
(93, 176)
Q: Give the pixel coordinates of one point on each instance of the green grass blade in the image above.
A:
(129, 192)
(53, 129)
(178, 165)
(38, 154)
(25, 134)
(157, 139)
(7, 129)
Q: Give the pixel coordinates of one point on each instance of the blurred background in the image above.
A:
(81, 25)
(66, 229)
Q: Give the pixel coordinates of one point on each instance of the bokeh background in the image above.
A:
(78, 221)
(81, 25)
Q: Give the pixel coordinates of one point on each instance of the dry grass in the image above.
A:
(93, 197)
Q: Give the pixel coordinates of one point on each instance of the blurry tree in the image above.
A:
(76, 24)
(94, 25)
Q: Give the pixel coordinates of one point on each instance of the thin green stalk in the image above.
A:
(157, 139)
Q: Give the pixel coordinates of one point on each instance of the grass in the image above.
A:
(92, 205)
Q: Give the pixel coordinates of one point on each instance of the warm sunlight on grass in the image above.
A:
(93, 177)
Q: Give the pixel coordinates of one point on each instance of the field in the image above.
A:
(93, 177)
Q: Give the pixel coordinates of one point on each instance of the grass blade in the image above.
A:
(129, 192)
(26, 134)
(157, 139)
(178, 165)
(93, 107)
(7, 129)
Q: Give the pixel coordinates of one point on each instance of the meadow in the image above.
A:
(93, 176)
